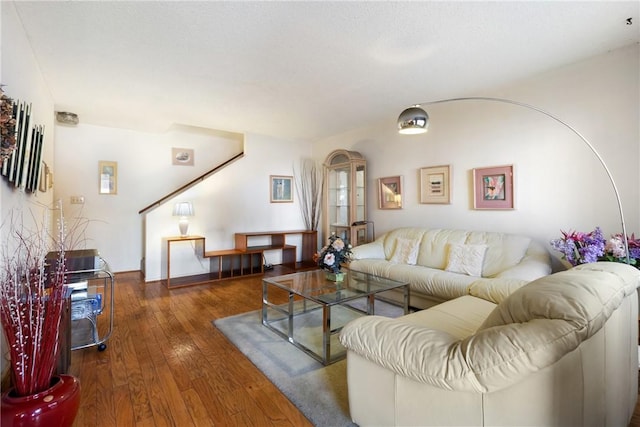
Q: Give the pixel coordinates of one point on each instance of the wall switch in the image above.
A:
(77, 200)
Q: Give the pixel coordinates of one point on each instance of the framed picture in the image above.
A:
(182, 156)
(108, 177)
(493, 187)
(281, 189)
(390, 192)
(435, 184)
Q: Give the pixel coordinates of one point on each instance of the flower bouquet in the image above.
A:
(614, 250)
(332, 255)
(580, 248)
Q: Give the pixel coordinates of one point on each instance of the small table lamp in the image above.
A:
(183, 210)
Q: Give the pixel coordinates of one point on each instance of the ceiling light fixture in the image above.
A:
(414, 120)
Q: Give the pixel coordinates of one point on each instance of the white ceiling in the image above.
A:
(300, 69)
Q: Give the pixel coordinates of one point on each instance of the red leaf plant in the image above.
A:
(31, 302)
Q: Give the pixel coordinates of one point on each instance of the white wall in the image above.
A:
(559, 184)
(235, 200)
(145, 174)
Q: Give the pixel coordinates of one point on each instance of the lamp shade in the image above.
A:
(183, 209)
(413, 120)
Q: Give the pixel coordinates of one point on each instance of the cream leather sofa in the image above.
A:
(444, 264)
(560, 351)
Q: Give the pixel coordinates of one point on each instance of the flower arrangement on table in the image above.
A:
(614, 250)
(580, 248)
(332, 255)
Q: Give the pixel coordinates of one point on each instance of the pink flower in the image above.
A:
(329, 259)
(338, 245)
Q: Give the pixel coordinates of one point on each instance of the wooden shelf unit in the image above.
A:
(243, 260)
(278, 241)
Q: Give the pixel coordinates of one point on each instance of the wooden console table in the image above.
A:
(244, 259)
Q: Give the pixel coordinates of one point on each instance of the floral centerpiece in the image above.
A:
(580, 248)
(614, 250)
(332, 255)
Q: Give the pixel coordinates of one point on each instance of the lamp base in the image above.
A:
(183, 224)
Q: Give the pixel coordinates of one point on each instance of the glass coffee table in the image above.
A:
(318, 308)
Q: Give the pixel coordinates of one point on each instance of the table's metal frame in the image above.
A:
(288, 310)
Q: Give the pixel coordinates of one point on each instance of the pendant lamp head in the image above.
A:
(413, 120)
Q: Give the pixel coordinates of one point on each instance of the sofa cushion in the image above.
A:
(434, 248)
(466, 259)
(405, 252)
(503, 250)
(430, 281)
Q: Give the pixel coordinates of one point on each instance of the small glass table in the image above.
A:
(318, 308)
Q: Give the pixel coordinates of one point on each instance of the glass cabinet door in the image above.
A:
(345, 196)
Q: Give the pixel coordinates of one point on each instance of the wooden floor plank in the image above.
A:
(167, 365)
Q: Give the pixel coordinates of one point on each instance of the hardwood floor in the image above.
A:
(166, 365)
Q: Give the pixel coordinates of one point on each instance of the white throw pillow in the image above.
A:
(466, 259)
(405, 252)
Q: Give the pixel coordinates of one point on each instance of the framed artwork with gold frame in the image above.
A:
(107, 177)
(390, 192)
(435, 184)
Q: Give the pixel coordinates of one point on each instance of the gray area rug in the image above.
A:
(319, 392)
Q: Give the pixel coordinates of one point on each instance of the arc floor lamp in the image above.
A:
(415, 120)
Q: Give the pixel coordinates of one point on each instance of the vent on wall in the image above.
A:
(66, 118)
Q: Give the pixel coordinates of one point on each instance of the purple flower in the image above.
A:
(580, 248)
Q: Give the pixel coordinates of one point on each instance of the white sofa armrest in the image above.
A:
(535, 264)
(410, 351)
(495, 290)
(372, 250)
(490, 360)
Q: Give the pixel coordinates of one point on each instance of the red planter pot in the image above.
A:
(54, 407)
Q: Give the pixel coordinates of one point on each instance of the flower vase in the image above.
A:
(335, 277)
(55, 407)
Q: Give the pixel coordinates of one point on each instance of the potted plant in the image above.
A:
(32, 297)
(332, 256)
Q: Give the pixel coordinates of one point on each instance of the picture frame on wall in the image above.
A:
(390, 192)
(435, 184)
(108, 177)
(182, 156)
(493, 187)
(281, 189)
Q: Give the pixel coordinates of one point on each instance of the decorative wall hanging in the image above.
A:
(281, 189)
(108, 177)
(12, 167)
(7, 126)
(182, 156)
(35, 159)
(435, 184)
(493, 187)
(390, 192)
